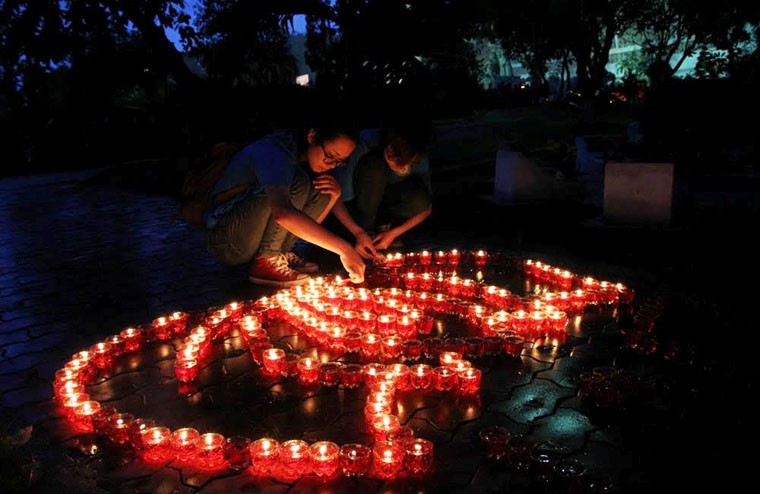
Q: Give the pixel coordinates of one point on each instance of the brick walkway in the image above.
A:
(80, 261)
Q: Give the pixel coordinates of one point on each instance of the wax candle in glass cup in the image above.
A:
(183, 443)
(157, 444)
(294, 458)
(324, 458)
(118, 427)
(274, 360)
(210, 451)
(84, 414)
(354, 459)
(329, 373)
(351, 375)
(419, 455)
(387, 459)
(264, 455)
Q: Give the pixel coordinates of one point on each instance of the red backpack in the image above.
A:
(195, 196)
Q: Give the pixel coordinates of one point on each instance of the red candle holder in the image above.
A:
(308, 370)
(494, 439)
(329, 373)
(157, 446)
(237, 453)
(449, 359)
(186, 371)
(257, 351)
(118, 427)
(84, 414)
(117, 345)
(72, 401)
(453, 257)
(469, 380)
(444, 378)
(136, 430)
(354, 459)
(210, 451)
(425, 258)
(401, 376)
(183, 443)
(380, 397)
(400, 436)
(419, 455)
(425, 325)
(406, 327)
(370, 345)
(264, 455)
(162, 329)
(386, 324)
(294, 458)
(372, 373)
(324, 458)
(513, 345)
(101, 420)
(274, 361)
(133, 339)
(387, 459)
(440, 258)
(391, 347)
(420, 376)
(481, 258)
(100, 355)
(382, 425)
(558, 321)
(351, 375)
(64, 389)
(373, 410)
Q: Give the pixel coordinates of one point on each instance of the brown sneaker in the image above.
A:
(300, 264)
(274, 271)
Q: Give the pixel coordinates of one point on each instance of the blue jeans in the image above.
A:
(248, 230)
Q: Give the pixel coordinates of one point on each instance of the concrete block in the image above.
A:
(638, 193)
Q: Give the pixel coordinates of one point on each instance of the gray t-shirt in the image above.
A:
(369, 141)
(271, 160)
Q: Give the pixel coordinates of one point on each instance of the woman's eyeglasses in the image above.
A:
(329, 159)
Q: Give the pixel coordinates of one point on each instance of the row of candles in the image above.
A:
(439, 258)
(453, 373)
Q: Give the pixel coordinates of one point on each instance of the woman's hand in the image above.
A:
(327, 184)
(354, 265)
(365, 247)
(383, 240)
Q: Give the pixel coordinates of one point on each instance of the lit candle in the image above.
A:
(264, 455)
(383, 425)
(419, 455)
(294, 458)
(183, 443)
(449, 358)
(257, 351)
(162, 329)
(72, 401)
(274, 360)
(101, 355)
(386, 324)
(391, 347)
(401, 375)
(454, 257)
(374, 410)
(444, 378)
(117, 345)
(370, 345)
(425, 258)
(186, 370)
(84, 414)
(308, 370)
(406, 327)
(440, 257)
(354, 459)
(420, 376)
(132, 339)
(157, 444)
(136, 430)
(118, 427)
(481, 257)
(324, 458)
(388, 459)
(210, 451)
(469, 380)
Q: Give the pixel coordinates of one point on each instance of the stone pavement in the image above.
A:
(81, 259)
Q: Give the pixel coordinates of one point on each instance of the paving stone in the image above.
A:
(565, 371)
(565, 426)
(533, 400)
(245, 483)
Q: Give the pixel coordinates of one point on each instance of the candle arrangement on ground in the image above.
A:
(389, 341)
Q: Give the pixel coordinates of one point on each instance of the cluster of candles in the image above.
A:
(390, 328)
